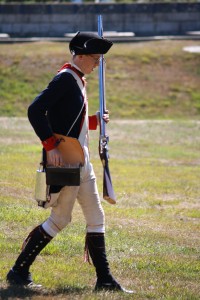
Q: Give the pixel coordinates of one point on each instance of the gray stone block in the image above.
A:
(57, 19)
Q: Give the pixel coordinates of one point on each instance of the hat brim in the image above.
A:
(93, 46)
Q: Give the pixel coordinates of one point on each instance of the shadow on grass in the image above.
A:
(14, 292)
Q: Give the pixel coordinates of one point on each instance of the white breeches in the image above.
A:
(88, 198)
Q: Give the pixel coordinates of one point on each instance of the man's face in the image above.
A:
(89, 62)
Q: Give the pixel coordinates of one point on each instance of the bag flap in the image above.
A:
(70, 149)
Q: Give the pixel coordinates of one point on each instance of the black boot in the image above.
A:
(95, 244)
(32, 246)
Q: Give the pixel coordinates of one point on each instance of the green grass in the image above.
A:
(143, 80)
(152, 233)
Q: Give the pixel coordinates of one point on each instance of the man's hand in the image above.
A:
(54, 158)
(106, 116)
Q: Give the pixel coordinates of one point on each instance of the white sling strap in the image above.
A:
(84, 130)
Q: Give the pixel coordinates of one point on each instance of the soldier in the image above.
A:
(62, 108)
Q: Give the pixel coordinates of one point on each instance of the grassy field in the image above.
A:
(144, 80)
(153, 238)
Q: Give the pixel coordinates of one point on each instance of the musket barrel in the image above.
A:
(101, 82)
(108, 192)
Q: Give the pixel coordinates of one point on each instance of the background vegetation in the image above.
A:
(144, 80)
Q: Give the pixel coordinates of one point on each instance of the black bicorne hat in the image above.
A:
(89, 43)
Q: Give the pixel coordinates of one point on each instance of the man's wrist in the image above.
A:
(98, 117)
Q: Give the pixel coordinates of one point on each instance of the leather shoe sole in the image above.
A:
(14, 278)
(111, 287)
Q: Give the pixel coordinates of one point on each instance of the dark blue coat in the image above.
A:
(56, 108)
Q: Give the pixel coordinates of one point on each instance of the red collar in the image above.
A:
(69, 66)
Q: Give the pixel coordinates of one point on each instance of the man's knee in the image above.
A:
(100, 228)
(54, 225)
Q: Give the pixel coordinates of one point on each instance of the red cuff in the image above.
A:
(50, 143)
(93, 122)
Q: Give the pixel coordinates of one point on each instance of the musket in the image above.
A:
(108, 192)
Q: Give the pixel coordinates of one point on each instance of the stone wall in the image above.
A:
(54, 20)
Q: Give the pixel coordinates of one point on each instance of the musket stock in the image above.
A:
(108, 192)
